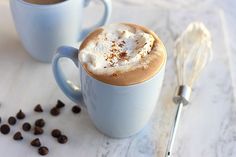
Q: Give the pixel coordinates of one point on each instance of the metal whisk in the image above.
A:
(193, 52)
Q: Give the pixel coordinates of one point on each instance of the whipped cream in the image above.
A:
(118, 47)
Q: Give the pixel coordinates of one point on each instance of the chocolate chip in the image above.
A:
(26, 126)
(43, 150)
(38, 108)
(20, 115)
(39, 123)
(17, 136)
(12, 120)
(5, 129)
(56, 133)
(60, 104)
(55, 111)
(38, 130)
(76, 109)
(62, 139)
(36, 143)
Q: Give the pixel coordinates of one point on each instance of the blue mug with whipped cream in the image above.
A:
(121, 69)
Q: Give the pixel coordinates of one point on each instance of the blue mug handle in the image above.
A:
(103, 21)
(69, 89)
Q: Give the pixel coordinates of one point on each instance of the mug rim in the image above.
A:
(160, 68)
(42, 5)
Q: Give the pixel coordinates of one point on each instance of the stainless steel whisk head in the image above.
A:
(193, 52)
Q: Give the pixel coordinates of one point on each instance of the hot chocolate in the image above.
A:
(122, 54)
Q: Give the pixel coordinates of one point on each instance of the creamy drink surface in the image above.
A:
(122, 54)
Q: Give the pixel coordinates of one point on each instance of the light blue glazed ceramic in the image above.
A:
(43, 28)
(117, 111)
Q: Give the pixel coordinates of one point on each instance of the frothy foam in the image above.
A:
(117, 48)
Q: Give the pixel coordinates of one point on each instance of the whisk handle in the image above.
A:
(174, 130)
(181, 98)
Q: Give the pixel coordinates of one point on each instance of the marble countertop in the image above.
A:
(208, 125)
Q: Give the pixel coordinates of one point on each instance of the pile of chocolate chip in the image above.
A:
(37, 128)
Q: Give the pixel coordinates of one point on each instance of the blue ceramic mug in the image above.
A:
(43, 28)
(117, 111)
